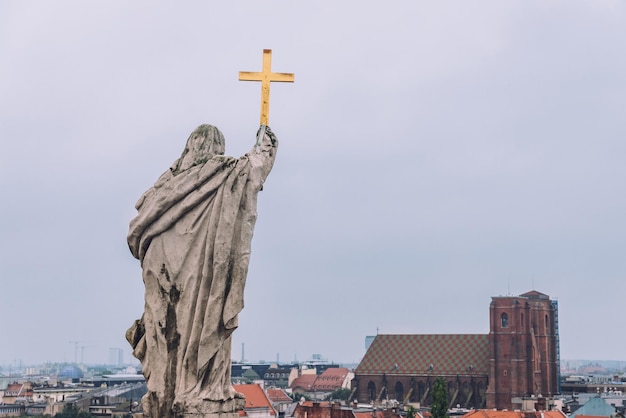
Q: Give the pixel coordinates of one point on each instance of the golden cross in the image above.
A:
(265, 77)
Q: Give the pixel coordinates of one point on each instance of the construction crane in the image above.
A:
(75, 350)
(82, 352)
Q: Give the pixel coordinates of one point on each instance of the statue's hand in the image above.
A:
(271, 136)
(266, 142)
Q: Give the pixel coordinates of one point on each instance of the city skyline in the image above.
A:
(432, 155)
(565, 364)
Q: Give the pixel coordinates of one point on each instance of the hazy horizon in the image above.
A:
(432, 155)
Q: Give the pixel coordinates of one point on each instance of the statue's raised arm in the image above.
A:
(264, 152)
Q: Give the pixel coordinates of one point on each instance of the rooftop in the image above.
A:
(438, 354)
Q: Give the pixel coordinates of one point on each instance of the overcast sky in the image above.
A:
(432, 155)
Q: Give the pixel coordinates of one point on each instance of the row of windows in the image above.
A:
(11, 409)
(276, 383)
(276, 375)
(421, 390)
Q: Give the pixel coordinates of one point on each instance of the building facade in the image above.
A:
(404, 368)
(524, 349)
(517, 359)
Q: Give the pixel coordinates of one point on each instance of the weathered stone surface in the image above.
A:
(193, 236)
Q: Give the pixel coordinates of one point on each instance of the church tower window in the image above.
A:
(504, 320)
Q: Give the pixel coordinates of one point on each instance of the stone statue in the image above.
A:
(192, 235)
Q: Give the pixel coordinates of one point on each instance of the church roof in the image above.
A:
(427, 353)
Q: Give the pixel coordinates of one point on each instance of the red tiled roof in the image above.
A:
(331, 379)
(335, 371)
(492, 413)
(306, 382)
(374, 414)
(18, 389)
(278, 395)
(414, 354)
(255, 397)
(311, 403)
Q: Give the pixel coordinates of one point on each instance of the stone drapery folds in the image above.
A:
(192, 235)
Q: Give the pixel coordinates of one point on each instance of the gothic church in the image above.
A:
(517, 360)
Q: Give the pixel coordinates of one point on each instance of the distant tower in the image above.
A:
(523, 340)
(116, 356)
(368, 341)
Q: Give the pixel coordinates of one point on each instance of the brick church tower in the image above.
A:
(523, 341)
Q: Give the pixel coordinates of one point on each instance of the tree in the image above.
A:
(297, 396)
(411, 412)
(439, 407)
(340, 394)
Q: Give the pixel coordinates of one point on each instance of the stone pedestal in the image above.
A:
(209, 409)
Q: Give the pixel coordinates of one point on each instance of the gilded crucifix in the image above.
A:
(265, 77)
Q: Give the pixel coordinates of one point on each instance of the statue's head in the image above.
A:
(203, 143)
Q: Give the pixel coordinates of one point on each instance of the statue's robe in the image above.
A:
(193, 235)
